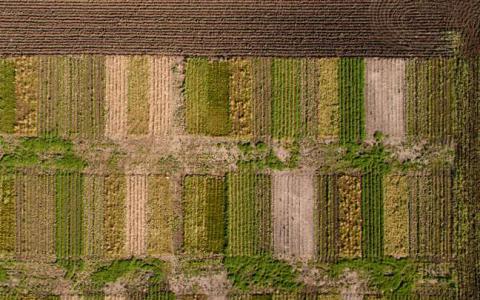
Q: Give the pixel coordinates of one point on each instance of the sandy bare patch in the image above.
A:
(136, 215)
(116, 96)
(293, 215)
(385, 97)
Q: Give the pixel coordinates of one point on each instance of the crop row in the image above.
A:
(372, 214)
(249, 213)
(431, 215)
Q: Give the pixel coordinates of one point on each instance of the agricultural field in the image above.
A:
(239, 150)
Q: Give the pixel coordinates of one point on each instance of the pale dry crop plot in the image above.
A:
(116, 96)
(328, 118)
(164, 90)
(385, 97)
(293, 214)
(135, 223)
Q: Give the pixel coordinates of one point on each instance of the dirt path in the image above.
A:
(385, 97)
(293, 215)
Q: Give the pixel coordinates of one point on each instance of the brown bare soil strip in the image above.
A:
(396, 215)
(293, 215)
(211, 28)
(116, 96)
(385, 97)
(93, 214)
(35, 216)
(26, 90)
(137, 194)
(164, 91)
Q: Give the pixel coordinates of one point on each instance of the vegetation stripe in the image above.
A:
(7, 96)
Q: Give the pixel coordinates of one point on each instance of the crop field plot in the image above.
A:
(431, 99)
(351, 76)
(328, 101)
(249, 213)
(7, 211)
(204, 208)
(68, 216)
(293, 200)
(35, 218)
(93, 215)
(431, 215)
(207, 97)
(160, 216)
(372, 214)
(350, 217)
(385, 97)
(396, 218)
(114, 235)
(328, 218)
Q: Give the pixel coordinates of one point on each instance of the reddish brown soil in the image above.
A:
(227, 27)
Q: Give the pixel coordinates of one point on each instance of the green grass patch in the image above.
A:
(262, 156)
(286, 98)
(351, 74)
(7, 96)
(261, 272)
(207, 97)
(43, 152)
(121, 268)
(391, 276)
(3, 274)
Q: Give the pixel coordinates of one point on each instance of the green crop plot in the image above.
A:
(7, 96)
(69, 216)
(351, 74)
(204, 209)
(249, 213)
(372, 214)
(207, 97)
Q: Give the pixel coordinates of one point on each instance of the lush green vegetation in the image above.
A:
(249, 212)
(351, 74)
(207, 97)
(204, 209)
(7, 96)
(261, 272)
(372, 214)
(286, 98)
(391, 276)
(261, 156)
(41, 152)
(120, 268)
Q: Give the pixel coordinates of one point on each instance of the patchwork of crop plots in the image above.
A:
(249, 150)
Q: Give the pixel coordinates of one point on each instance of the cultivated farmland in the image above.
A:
(239, 149)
